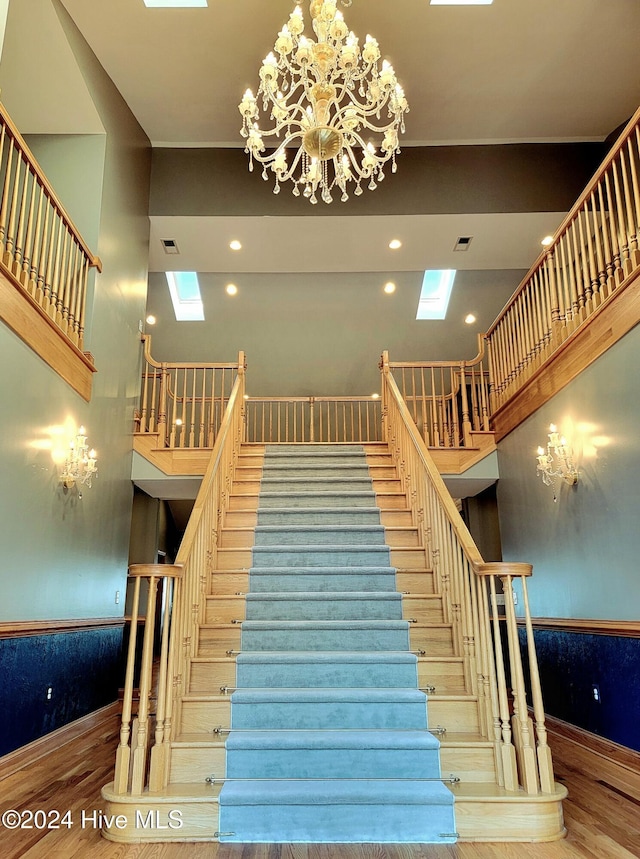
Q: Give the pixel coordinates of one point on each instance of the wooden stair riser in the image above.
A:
(217, 641)
(469, 762)
(224, 609)
(252, 486)
(244, 538)
(207, 678)
(242, 558)
(416, 582)
(384, 500)
(458, 715)
(228, 583)
(189, 764)
(203, 717)
(433, 640)
(254, 471)
(249, 518)
(445, 674)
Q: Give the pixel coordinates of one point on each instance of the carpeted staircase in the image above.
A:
(329, 739)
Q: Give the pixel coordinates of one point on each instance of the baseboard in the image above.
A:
(32, 752)
(587, 626)
(617, 766)
(22, 628)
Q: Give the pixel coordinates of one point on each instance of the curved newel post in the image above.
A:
(132, 756)
(534, 760)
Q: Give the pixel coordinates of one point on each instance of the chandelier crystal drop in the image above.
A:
(334, 112)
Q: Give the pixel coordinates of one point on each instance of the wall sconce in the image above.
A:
(556, 461)
(80, 464)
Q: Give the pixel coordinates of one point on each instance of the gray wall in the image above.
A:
(585, 547)
(63, 557)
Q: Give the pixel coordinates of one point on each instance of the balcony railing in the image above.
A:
(594, 251)
(41, 250)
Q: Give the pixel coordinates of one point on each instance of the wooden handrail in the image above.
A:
(182, 607)
(469, 588)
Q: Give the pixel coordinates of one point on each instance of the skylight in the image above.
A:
(175, 4)
(436, 291)
(185, 295)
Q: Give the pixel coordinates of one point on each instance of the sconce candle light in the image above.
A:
(556, 461)
(80, 465)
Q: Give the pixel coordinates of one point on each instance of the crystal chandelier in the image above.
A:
(80, 464)
(334, 114)
(556, 461)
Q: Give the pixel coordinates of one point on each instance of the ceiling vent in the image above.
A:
(462, 244)
(170, 246)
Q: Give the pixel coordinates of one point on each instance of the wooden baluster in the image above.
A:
(37, 246)
(159, 760)
(75, 262)
(10, 237)
(212, 420)
(588, 260)
(204, 402)
(631, 231)
(607, 242)
(82, 298)
(615, 234)
(6, 189)
(173, 393)
(599, 287)
(635, 251)
(139, 757)
(191, 409)
(16, 263)
(123, 753)
(62, 316)
(27, 251)
(144, 399)
(545, 762)
(183, 410)
(507, 749)
(623, 240)
(491, 680)
(523, 727)
(163, 436)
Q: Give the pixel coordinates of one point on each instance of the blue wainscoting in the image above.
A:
(83, 669)
(572, 663)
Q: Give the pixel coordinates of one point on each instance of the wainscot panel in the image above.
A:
(591, 680)
(81, 668)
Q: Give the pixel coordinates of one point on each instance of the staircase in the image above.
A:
(329, 695)
(328, 737)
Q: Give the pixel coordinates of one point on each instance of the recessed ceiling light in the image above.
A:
(151, 320)
(175, 4)
(389, 287)
(470, 319)
(232, 289)
(375, 396)
(394, 244)
(547, 240)
(235, 245)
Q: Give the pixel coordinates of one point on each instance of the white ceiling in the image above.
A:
(518, 70)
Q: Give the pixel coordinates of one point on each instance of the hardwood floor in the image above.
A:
(602, 819)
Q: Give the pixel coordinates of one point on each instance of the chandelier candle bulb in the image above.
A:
(331, 116)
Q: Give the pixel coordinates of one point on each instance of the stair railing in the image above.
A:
(447, 400)
(143, 755)
(299, 420)
(183, 403)
(40, 247)
(594, 251)
(470, 589)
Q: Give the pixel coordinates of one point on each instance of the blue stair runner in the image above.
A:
(329, 739)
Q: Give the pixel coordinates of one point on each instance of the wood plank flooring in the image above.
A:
(603, 821)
